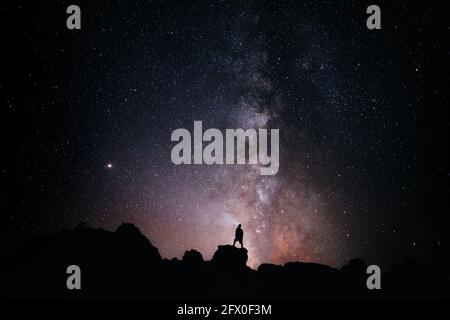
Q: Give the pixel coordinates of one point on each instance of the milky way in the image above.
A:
(286, 217)
(91, 112)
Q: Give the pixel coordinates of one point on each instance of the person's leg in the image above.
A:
(234, 242)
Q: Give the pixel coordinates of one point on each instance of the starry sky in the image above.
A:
(363, 119)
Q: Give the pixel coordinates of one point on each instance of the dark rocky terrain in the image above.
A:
(125, 265)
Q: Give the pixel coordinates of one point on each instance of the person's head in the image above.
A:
(239, 226)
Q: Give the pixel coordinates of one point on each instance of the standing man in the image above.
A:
(238, 236)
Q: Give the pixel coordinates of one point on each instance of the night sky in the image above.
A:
(363, 118)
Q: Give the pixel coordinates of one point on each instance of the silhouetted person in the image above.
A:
(238, 236)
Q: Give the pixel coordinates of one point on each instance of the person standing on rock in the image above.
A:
(239, 236)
